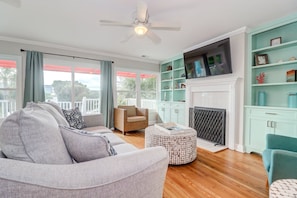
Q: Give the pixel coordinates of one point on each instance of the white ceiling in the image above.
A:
(75, 23)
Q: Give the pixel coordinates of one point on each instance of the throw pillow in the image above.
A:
(74, 118)
(32, 134)
(84, 146)
(131, 110)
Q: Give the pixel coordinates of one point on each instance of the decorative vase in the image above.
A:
(292, 100)
(261, 98)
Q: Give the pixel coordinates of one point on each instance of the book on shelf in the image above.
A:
(171, 128)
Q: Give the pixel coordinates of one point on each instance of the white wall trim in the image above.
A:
(63, 47)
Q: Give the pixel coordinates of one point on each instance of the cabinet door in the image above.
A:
(258, 128)
(286, 127)
(164, 112)
(178, 114)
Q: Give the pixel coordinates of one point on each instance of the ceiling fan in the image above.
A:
(14, 3)
(141, 24)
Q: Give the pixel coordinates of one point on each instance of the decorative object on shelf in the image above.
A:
(292, 75)
(292, 100)
(292, 58)
(261, 98)
(169, 68)
(183, 85)
(276, 41)
(260, 78)
(183, 75)
(261, 59)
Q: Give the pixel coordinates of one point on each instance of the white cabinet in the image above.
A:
(261, 121)
(172, 112)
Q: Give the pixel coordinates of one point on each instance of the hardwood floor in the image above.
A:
(224, 174)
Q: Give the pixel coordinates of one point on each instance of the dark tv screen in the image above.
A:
(210, 60)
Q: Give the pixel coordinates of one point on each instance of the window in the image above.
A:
(138, 89)
(10, 97)
(126, 88)
(73, 84)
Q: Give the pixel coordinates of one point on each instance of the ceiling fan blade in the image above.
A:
(142, 11)
(164, 27)
(14, 3)
(115, 23)
(155, 38)
(127, 38)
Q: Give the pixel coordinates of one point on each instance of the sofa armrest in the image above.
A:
(143, 169)
(283, 165)
(281, 142)
(93, 120)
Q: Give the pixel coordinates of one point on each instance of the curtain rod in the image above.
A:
(22, 50)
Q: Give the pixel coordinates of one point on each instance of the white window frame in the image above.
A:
(19, 78)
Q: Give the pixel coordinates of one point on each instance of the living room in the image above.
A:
(87, 33)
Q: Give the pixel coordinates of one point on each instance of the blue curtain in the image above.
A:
(107, 104)
(34, 88)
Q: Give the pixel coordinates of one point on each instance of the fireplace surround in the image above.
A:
(217, 93)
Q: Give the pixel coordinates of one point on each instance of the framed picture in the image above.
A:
(276, 41)
(261, 59)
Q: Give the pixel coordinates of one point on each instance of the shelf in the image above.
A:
(273, 64)
(166, 72)
(178, 69)
(287, 44)
(181, 78)
(166, 89)
(274, 84)
(179, 89)
(166, 80)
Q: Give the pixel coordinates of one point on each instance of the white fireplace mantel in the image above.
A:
(216, 93)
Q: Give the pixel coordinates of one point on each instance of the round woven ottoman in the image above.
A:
(283, 188)
(181, 147)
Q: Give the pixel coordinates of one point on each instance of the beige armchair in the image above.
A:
(130, 118)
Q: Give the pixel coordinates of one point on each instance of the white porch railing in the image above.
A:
(86, 106)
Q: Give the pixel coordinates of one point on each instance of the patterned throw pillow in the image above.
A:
(74, 118)
(85, 146)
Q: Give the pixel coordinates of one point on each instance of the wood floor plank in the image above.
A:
(226, 174)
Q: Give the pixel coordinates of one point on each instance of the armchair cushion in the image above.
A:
(74, 118)
(32, 134)
(131, 110)
(85, 146)
(136, 118)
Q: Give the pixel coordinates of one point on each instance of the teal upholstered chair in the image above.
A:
(280, 157)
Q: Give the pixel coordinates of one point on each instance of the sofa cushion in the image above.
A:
(32, 134)
(85, 146)
(131, 110)
(74, 118)
(61, 120)
(124, 148)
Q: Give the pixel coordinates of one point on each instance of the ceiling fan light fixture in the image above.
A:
(140, 29)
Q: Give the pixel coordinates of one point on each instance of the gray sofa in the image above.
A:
(131, 173)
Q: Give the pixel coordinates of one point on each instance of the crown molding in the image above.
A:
(74, 49)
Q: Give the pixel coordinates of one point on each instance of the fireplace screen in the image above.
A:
(209, 123)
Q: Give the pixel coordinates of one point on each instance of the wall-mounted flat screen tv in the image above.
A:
(210, 60)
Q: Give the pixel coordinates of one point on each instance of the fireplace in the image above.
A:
(210, 123)
(220, 93)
